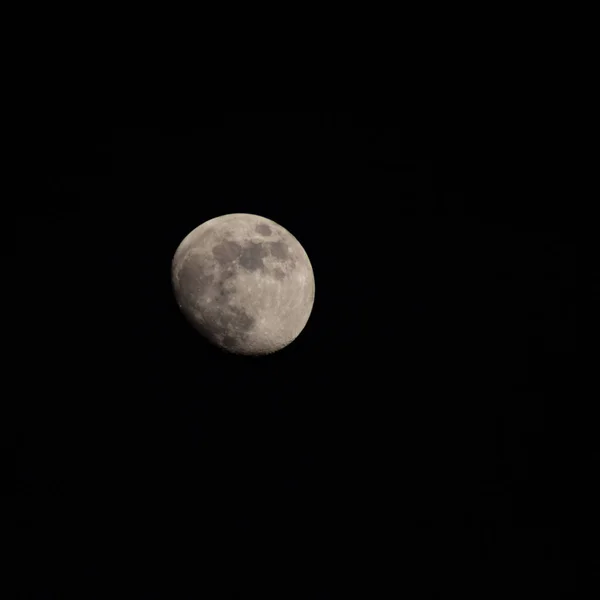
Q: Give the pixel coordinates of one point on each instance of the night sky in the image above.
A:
(421, 430)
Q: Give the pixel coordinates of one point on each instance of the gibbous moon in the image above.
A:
(245, 283)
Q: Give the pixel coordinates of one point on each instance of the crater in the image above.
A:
(252, 257)
(226, 252)
(229, 341)
(263, 229)
(222, 293)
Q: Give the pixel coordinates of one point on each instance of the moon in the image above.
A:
(244, 282)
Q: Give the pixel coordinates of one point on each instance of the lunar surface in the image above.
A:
(245, 283)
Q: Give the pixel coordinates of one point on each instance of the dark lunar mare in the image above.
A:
(279, 250)
(224, 324)
(228, 327)
(226, 252)
(263, 229)
(252, 257)
(233, 319)
(194, 282)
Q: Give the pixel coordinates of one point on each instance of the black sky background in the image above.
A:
(422, 429)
